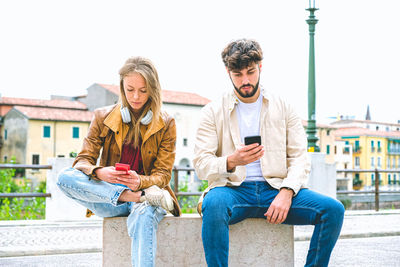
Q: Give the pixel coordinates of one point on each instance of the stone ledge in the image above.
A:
(253, 242)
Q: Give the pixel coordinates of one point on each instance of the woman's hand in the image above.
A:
(131, 180)
(111, 175)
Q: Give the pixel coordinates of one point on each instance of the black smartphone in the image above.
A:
(252, 139)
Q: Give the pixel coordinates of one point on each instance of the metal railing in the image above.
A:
(377, 181)
(25, 166)
(176, 171)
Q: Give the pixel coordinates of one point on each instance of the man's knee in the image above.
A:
(215, 204)
(335, 209)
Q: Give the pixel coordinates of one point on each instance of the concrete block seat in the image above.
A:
(252, 242)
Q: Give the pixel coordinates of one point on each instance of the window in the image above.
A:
(377, 128)
(379, 144)
(372, 146)
(393, 163)
(372, 179)
(75, 132)
(335, 150)
(357, 146)
(389, 181)
(5, 134)
(372, 143)
(328, 148)
(357, 161)
(46, 131)
(5, 159)
(388, 163)
(185, 142)
(328, 132)
(60, 156)
(35, 159)
(394, 179)
(372, 162)
(379, 162)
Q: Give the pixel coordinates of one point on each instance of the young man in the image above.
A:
(264, 180)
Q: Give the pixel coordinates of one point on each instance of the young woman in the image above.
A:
(135, 132)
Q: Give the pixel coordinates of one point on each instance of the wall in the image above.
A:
(59, 144)
(98, 96)
(187, 118)
(16, 125)
(326, 137)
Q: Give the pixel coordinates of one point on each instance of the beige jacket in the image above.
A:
(285, 162)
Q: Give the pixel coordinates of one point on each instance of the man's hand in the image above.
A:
(280, 206)
(244, 155)
(111, 175)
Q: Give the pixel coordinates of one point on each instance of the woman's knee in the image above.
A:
(68, 176)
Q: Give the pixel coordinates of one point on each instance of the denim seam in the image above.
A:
(114, 199)
(84, 191)
(318, 243)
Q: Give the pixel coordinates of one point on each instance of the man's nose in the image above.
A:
(245, 79)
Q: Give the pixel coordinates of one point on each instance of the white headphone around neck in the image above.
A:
(126, 116)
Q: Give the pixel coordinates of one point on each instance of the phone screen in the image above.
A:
(248, 140)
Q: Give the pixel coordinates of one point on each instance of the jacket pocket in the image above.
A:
(275, 135)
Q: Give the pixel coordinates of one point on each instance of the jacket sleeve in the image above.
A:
(207, 164)
(162, 168)
(298, 162)
(92, 144)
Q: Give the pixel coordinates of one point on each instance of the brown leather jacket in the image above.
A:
(107, 132)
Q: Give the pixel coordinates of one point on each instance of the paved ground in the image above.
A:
(367, 239)
(354, 252)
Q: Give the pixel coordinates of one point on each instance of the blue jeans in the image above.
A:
(102, 198)
(223, 206)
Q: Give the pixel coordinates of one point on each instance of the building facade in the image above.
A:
(374, 149)
(35, 130)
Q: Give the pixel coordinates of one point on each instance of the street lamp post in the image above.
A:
(311, 124)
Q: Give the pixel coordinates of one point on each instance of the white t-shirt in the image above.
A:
(248, 115)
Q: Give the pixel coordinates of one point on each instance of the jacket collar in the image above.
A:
(233, 99)
(113, 119)
(114, 122)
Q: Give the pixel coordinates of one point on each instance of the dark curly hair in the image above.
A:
(241, 53)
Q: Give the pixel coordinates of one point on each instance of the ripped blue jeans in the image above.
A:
(223, 206)
(102, 198)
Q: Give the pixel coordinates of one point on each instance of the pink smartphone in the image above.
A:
(122, 167)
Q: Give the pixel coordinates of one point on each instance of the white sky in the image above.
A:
(62, 47)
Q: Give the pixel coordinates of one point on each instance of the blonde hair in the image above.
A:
(144, 67)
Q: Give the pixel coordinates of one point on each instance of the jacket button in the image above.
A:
(117, 132)
(149, 152)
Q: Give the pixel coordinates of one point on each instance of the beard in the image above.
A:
(247, 94)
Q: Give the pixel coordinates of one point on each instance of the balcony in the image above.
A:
(372, 149)
(394, 151)
(379, 149)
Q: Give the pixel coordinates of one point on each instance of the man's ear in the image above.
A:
(260, 66)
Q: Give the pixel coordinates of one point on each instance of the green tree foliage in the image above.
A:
(20, 208)
(189, 203)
